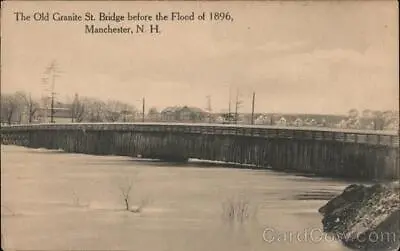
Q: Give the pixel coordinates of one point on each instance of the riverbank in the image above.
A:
(365, 217)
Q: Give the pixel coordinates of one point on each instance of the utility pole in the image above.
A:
(209, 109)
(208, 103)
(237, 104)
(143, 109)
(53, 82)
(30, 108)
(53, 71)
(45, 99)
(252, 108)
(52, 108)
(230, 100)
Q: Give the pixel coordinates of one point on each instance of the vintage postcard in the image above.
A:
(200, 125)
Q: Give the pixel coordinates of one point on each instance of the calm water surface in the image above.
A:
(52, 200)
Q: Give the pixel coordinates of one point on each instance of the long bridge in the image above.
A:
(322, 151)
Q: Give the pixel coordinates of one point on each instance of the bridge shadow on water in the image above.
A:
(290, 174)
(297, 176)
(200, 163)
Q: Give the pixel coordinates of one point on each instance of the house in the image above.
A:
(367, 123)
(227, 118)
(342, 124)
(262, 120)
(183, 114)
(153, 115)
(394, 125)
(169, 114)
(351, 123)
(298, 122)
(127, 115)
(354, 124)
(60, 115)
(281, 122)
(310, 122)
(219, 120)
(322, 123)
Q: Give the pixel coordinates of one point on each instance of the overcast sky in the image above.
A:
(299, 57)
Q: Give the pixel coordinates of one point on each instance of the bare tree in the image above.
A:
(388, 118)
(8, 108)
(236, 209)
(353, 114)
(117, 111)
(32, 107)
(113, 110)
(153, 114)
(126, 194)
(77, 109)
(378, 120)
(367, 113)
(12, 107)
(98, 111)
(94, 110)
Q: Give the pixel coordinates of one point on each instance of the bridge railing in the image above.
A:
(388, 138)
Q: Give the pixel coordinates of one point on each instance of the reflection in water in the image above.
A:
(72, 201)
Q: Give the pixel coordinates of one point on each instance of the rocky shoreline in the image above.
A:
(365, 217)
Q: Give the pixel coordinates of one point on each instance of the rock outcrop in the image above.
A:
(365, 217)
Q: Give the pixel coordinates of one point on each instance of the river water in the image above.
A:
(51, 200)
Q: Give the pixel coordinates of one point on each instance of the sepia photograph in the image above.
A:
(200, 125)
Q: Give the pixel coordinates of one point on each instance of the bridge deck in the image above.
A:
(113, 125)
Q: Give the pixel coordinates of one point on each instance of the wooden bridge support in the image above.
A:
(293, 153)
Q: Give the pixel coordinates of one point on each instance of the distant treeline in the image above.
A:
(20, 107)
